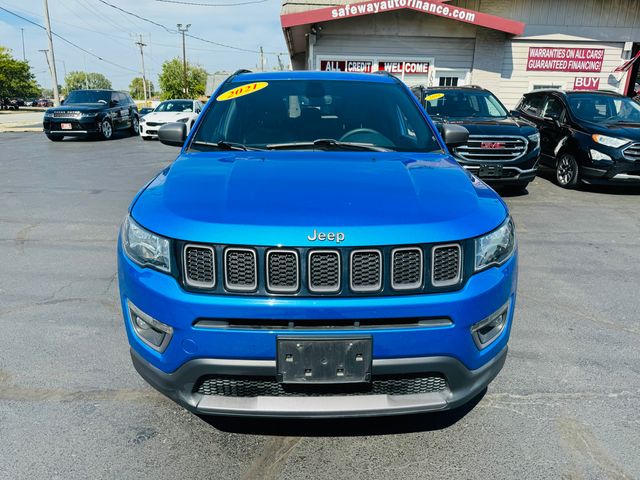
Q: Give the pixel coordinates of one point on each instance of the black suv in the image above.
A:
(502, 149)
(92, 112)
(586, 135)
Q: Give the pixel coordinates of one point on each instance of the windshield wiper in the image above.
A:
(222, 145)
(329, 144)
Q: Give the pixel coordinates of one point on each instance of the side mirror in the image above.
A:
(554, 120)
(454, 135)
(514, 113)
(173, 134)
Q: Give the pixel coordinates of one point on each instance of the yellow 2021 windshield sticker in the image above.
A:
(434, 96)
(242, 91)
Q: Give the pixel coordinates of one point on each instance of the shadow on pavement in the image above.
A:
(605, 187)
(346, 427)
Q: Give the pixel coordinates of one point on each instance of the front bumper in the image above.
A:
(150, 130)
(79, 126)
(195, 352)
(523, 170)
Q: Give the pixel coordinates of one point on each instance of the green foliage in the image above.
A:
(16, 79)
(172, 80)
(136, 88)
(83, 80)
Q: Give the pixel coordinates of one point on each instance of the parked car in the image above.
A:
(586, 135)
(502, 149)
(145, 111)
(92, 112)
(312, 253)
(185, 111)
(44, 102)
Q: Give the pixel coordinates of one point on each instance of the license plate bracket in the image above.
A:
(324, 360)
(66, 126)
(490, 171)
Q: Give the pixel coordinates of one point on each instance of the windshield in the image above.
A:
(295, 113)
(598, 108)
(175, 106)
(463, 103)
(88, 96)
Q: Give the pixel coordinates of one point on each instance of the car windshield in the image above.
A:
(309, 114)
(175, 106)
(87, 96)
(463, 103)
(595, 107)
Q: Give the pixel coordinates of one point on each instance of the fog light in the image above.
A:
(597, 155)
(151, 331)
(487, 330)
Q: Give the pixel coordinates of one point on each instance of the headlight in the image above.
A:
(597, 155)
(534, 139)
(609, 141)
(142, 120)
(87, 114)
(496, 247)
(184, 120)
(145, 248)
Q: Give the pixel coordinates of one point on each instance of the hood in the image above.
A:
(166, 116)
(273, 198)
(493, 126)
(622, 130)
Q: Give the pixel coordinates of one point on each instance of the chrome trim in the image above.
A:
(250, 288)
(324, 289)
(447, 283)
(67, 132)
(634, 146)
(373, 288)
(475, 168)
(409, 286)
(479, 158)
(282, 289)
(167, 329)
(193, 283)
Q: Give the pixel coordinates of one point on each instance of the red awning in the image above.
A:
(627, 65)
(427, 7)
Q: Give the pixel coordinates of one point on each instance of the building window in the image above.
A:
(448, 81)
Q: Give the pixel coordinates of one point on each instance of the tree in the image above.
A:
(80, 80)
(136, 88)
(16, 79)
(172, 80)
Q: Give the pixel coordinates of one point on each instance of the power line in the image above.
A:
(68, 41)
(170, 30)
(199, 4)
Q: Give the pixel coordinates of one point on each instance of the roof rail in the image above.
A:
(238, 72)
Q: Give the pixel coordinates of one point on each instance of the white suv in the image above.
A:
(185, 111)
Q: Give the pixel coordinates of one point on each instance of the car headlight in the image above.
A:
(609, 141)
(142, 120)
(184, 120)
(145, 248)
(86, 114)
(534, 139)
(496, 247)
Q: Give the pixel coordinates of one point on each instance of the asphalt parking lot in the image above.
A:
(72, 406)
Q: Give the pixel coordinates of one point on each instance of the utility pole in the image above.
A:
(184, 56)
(144, 78)
(46, 56)
(261, 59)
(52, 64)
(24, 55)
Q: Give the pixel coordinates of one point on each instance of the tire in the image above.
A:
(107, 129)
(55, 138)
(135, 125)
(567, 171)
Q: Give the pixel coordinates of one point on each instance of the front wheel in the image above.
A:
(567, 171)
(106, 129)
(135, 126)
(55, 138)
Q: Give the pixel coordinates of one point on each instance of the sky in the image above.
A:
(111, 34)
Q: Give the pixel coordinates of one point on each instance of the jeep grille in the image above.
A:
(324, 271)
(240, 269)
(445, 268)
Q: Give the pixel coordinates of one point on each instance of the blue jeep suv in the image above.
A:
(315, 251)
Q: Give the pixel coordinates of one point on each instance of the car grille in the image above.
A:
(632, 152)
(445, 268)
(310, 272)
(66, 114)
(240, 269)
(239, 386)
(492, 148)
(154, 124)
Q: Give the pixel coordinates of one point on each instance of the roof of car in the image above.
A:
(312, 75)
(577, 92)
(460, 87)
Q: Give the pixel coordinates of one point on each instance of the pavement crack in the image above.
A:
(23, 235)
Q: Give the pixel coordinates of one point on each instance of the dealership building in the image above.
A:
(507, 46)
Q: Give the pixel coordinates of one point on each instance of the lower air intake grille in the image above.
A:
(199, 270)
(324, 271)
(632, 152)
(366, 270)
(240, 269)
(406, 268)
(238, 386)
(446, 266)
(282, 271)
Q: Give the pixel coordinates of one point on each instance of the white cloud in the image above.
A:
(109, 33)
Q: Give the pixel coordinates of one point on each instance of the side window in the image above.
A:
(553, 109)
(115, 97)
(122, 99)
(532, 104)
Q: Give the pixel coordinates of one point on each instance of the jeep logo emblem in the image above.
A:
(328, 236)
